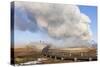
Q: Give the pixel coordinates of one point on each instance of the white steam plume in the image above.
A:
(59, 21)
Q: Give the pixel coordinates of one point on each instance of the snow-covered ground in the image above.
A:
(38, 61)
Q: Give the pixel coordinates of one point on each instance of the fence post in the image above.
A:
(62, 58)
(75, 59)
(55, 58)
(90, 59)
(70, 54)
(81, 54)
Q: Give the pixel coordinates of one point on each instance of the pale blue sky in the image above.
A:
(91, 11)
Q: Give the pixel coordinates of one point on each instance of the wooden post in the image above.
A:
(90, 59)
(81, 54)
(55, 58)
(50, 57)
(62, 58)
(75, 59)
(70, 54)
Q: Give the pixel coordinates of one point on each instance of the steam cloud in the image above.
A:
(64, 22)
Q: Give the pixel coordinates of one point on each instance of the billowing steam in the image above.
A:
(64, 22)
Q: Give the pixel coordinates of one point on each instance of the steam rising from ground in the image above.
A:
(64, 22)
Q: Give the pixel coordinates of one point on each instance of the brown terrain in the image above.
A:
(31, 53)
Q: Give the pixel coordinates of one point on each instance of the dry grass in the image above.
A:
(25, 54)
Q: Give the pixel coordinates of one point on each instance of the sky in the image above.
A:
(28, 36)
(91, 11)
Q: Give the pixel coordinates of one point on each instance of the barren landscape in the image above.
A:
(31, 55)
